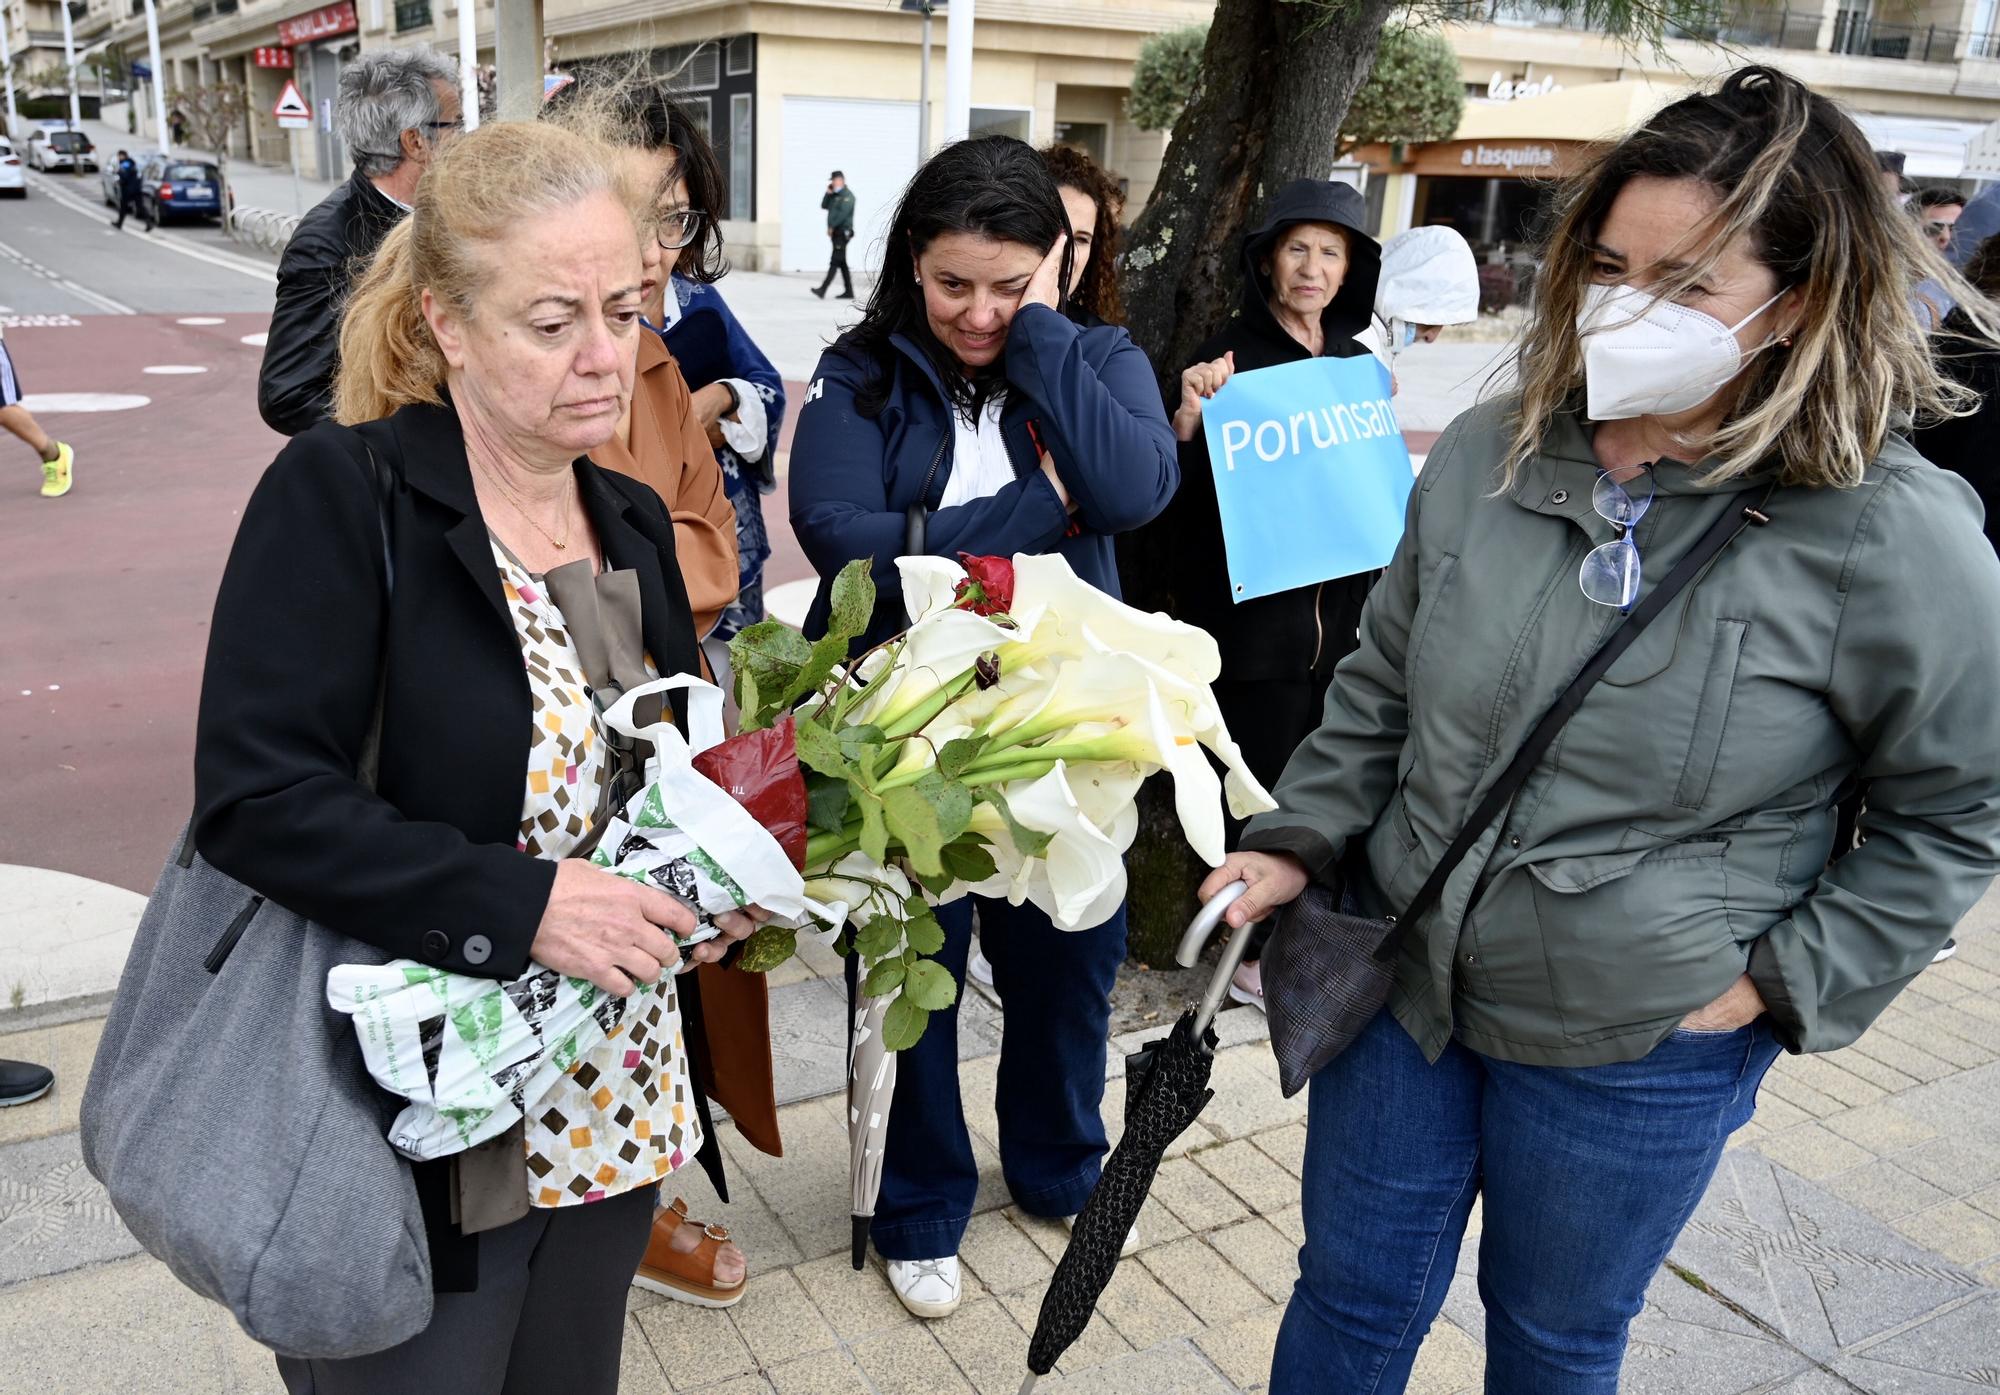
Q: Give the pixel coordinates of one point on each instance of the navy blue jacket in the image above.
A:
(710, 344)
(1088, 395)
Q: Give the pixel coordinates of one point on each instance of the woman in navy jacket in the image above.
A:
(966, 397)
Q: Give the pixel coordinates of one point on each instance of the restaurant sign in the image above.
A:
(322, 23)
(1508, 157)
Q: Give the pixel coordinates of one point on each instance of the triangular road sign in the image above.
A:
(290, 103)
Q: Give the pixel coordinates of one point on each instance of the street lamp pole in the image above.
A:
(518, 57)
(924, 94)
(468, 63)
(7, 70)
(958, 69)
(69, 66)
(159, 93)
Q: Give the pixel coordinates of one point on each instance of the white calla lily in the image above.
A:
(1080, 878)
(930, 585)
(1047, 589)
(859, 889)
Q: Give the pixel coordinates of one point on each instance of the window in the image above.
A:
(412, 14)
(699, 108)
(738, 57)
(691, 67)
(742, 157)
(1003, 121)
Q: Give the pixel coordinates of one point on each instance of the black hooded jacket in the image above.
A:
(1295, 635)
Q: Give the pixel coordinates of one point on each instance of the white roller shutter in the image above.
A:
(874, 144)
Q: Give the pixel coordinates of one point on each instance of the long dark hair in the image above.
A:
(1072, 169)
(624, 103)
(993, 186)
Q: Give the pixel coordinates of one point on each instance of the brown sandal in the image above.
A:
(689, 1276)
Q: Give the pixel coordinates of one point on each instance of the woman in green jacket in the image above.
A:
(1586, 1014)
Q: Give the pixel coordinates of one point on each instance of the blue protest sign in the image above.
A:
(1311, 473)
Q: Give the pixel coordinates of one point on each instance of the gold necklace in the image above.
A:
(569, 522)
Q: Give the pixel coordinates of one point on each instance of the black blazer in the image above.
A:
(426, 867)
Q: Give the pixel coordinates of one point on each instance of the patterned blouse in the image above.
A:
(623, 1116)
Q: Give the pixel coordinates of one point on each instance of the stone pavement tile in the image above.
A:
(909, 1361)
(1959, 1165)
(67, 1050)
(1196, 1275)
(1822, 1273)
(1956, 1351)
(1884, 1190)
(777, 1321)
(1881, 1128)
(1830, 1080)
(1248, 1172)
(1797, 1093)
(53, 1214)
(752, 1224)
(1050, 1236)
(1242, 1349)
(1776, 1113)
(818, 956)
(122, 1328)
(793, 970)
(1448, 1363)
(1962, 1234)
(829, 1373)
(1291, 1223)
(1813, 1150)
(808, 1038)
(1987, 1201)
(989, 1348)
(1685, 1340)
(1197, 1199)
(998, 1255)
(753, 1384)
(1815, 1381)
(1965, 1025)
(1098, 1343)
(1961, 973)
(639, 1370)
(1261, 1254)
(1285, 1146)
(1926, 1036)
(854, 1305)
(1894, 1052)
(1872, 1071)
(695, 1346)
(1246, 1100)
(1175, 1369)
(1143, 1312)
(992, 1193)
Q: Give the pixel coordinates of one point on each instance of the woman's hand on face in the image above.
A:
(608, 929)
(734, 925)
(1275, 879)
(1198, 383)
(1739, 1006)
(1045, 286)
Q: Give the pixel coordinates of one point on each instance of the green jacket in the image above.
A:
(1678, 831)
(839, 206)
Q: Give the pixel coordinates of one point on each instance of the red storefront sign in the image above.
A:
(319, 24)
(273, 58)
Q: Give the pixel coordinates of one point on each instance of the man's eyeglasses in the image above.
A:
(1938, 229)
(679, 229)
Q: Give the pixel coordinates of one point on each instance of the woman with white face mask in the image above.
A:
(1703, 447)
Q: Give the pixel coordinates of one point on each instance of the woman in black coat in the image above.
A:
(1965, 445)
(478, 367)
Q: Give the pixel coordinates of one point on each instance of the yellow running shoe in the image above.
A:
(56, 473)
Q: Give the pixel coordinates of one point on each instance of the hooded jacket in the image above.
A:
(1676, 835)
(1296, 635)
(1429, 277)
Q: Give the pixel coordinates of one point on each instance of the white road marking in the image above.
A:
(255, 270)
(169, 369)
(199, 320)
(82, 293)
(256, 341)
(58, 320)
(56, 403)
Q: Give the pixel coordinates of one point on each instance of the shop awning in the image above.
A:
(1592, 111)
(1934, 147)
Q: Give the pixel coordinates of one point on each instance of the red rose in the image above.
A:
(988, 588)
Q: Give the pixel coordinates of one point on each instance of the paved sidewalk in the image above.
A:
(1851, 1242)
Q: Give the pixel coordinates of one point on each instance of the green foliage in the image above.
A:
(1415, 93)
(1165, 76)
(768, 947)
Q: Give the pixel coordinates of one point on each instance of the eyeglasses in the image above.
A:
(458, 125)
(677, 230)
(1939, 229)
(1610, 574)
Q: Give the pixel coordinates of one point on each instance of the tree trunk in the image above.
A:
(1276, 80)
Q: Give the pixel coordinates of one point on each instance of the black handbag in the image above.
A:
(1327, 973)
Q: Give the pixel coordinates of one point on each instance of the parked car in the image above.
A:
(107, 177)
(13, 179)
(58, 149)
(181, 189)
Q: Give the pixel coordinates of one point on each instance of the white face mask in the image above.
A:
(1648, 357)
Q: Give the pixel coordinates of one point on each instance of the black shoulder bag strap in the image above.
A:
(1740, 514)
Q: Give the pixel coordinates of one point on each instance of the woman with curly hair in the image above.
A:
(1093, 201)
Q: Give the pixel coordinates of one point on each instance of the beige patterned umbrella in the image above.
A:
(871, 1088)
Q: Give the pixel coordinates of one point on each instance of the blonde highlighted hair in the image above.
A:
(1795, 178)
(481, 188)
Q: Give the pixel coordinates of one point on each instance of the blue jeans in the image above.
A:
(1056, 987)
(1589, 1173)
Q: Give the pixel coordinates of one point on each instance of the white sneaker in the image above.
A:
(1950, 948)
(1126, 1250)
(929, 1288)
(979, 968)
(1246, 985)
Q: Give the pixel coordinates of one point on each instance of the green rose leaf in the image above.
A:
(952, 800)
(914, 819)
(772, 653)
(852, 601)
(820, 750)
(874, 827)
(1027, 842)
(957, 756)
(827, 654)
(885, 977)
(748, 701)
(968, 861)
(767, 948)
(903, 1024)
(856, 742)
(827, 802)
(879, 938)
(925, 934)
(936, 885)
(930, 986)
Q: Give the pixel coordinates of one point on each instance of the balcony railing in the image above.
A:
(1869, 38)
(1755, 26)
(412, 14)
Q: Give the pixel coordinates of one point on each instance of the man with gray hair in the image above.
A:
(395, 109)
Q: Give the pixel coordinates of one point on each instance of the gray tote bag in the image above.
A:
(231, 1119)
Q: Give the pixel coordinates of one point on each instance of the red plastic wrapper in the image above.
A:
(760, 770)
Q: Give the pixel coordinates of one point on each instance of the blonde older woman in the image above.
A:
(490, 347)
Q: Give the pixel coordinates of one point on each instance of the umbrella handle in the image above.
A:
(1196, 938)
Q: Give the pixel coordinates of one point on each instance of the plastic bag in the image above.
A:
(760, 771)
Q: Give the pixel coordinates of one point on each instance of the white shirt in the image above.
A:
(979, 464)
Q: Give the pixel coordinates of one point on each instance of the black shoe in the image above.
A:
(845, 295)
(21, 1083)
(819, 291)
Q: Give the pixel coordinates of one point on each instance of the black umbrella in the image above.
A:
(1166, 1085)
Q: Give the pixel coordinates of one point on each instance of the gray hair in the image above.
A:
(382, 95)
